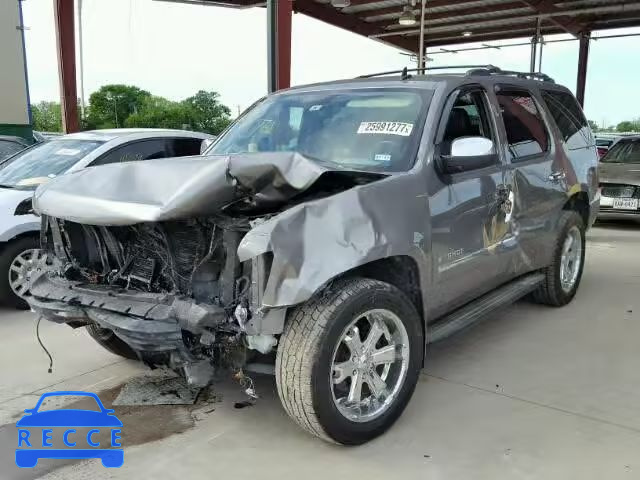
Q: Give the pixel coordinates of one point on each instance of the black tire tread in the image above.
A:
(114, 344)
(8, 253)
(550, 292)
(299, 345)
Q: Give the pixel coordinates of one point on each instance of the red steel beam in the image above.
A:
(488, 35)
(329, 14)
(430, 4)
(65, 39)
(567, 23)
(583, 60)
(501, 12)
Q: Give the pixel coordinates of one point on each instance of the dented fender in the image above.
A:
(314, 242)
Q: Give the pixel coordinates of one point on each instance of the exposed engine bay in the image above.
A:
(175, 289)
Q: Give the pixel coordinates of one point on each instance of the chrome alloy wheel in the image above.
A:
(25, 269)
(369, 365)
(570, 259)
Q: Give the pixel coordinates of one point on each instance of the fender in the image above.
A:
(16, 230)
(314, 242)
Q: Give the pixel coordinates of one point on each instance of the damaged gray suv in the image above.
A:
(329, 235)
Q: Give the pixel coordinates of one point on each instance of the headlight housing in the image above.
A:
(25, 207)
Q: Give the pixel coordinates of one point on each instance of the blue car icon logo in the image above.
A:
(36, 433)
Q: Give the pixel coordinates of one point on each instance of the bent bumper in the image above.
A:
(145, 321)
(611, 214)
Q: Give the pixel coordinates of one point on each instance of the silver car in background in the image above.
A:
(620, 180)
(21, 174)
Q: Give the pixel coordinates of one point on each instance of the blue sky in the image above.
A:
(174, 50)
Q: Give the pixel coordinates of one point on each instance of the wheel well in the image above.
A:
(401, 272)
(19, 237)
(579, 203)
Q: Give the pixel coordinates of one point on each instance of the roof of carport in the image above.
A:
(447, 20)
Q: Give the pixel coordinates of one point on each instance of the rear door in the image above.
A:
(536, 175)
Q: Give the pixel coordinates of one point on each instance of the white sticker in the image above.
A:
(386, 128)
(67, 152)
(382, 157)
(315, 108)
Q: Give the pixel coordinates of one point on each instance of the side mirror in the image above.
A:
(469, 153)
(206, 143)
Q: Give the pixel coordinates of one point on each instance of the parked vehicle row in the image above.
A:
(338, 227)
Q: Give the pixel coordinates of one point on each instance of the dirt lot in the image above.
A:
(532, 393)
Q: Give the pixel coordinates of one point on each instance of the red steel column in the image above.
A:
(284, 43)
(279, 44)
(583, 60)
(65, 39)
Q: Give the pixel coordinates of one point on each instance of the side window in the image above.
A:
(569, 118)
(526, 131)
(183, 147)
(468, 118)
(135, 151)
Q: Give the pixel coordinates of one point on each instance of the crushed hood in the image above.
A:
(175, 188)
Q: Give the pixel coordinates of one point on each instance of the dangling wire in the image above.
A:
(42, 345)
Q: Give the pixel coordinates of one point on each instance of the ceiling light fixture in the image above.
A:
(467, 33)
(340, 3)
(407, 18)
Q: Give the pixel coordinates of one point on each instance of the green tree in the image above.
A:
(626, 126)
(158, 112)
(111, 105)
(593, 125)
(47, 116)
(207, 113)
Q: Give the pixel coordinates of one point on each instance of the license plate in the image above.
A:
(625, 203)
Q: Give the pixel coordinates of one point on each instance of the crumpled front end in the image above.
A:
(175, 292)
(158, 264)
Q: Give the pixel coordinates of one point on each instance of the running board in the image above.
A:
(477, 310)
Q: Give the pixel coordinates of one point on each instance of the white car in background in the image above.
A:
(20, 175)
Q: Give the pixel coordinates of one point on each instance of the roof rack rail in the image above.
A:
(404, 72)
(470, 70)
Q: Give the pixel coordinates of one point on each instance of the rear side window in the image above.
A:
(183, 147)
(135, 151)
(625, 151)
(569, 118)
(526, 132)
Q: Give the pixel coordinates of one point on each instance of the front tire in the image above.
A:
(110, 341)
(562, 277)
(349, 359)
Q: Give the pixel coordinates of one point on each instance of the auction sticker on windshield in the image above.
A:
(386, 128)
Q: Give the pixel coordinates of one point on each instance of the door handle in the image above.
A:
(557, 176)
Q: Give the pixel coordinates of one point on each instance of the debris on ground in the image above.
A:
(159, 387)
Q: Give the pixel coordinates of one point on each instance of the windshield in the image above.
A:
(374, 130)
(39, 164)
(625, 151)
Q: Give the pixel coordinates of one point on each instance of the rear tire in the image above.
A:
(110, 341)
(554, 291)
(10, 252)
(307, 360)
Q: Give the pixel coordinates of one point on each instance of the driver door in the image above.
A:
(469, 208)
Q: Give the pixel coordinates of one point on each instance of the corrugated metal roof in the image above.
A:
(446, 20)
